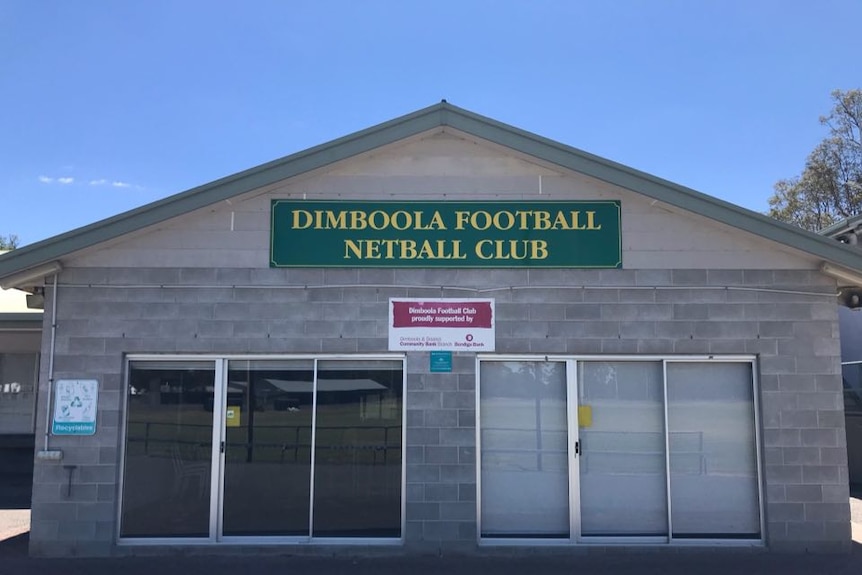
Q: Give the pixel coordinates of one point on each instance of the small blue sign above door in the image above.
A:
(441, 361)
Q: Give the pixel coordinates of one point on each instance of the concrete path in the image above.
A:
(13, 522)
(584, 561)
(712, 562)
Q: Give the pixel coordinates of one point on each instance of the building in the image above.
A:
(20, 340)
(440, 333)
(850, 325)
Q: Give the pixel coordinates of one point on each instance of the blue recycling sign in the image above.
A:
(75, 406)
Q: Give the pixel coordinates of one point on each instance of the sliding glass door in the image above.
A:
(622, 444)
(357, 449)
(713, 457)
(524, 460)
(167, 476)
(626, 449)
(267, 458)
(294, 448)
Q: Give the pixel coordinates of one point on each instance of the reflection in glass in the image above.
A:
(17, 391)
(168, 463)
(713, 466)
(524, 447)
(267, 476)
(357, 474)
(622, 462)
(851, 374)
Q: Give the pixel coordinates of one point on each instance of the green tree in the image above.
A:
(9, 242)
(830, 187)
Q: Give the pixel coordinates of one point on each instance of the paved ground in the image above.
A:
(14, 560)
(856, 514)
(13, 522)
(580, 563)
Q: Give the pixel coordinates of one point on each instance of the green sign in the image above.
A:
(537, 234)
(441, 361)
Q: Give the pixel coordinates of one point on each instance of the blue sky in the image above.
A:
(109, 105)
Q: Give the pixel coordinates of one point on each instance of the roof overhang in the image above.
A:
(442, 115)
(28, 322)
(843, 275)
(29, 278)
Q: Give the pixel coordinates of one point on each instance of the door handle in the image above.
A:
(221, 447)
(577, 448)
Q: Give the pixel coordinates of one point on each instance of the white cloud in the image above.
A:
(65, 180)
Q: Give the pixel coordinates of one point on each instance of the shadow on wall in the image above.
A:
(16, 487)
(15, 546)
(16, 472)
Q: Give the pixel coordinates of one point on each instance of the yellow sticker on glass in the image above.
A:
(231, 416)
(585, 416)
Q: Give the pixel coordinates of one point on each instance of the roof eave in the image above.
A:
(654, 187)
(21, 322)
(225, 188)
(432, 117)
(844, 226)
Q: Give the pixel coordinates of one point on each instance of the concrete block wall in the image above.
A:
(441, 454)
(787, 318)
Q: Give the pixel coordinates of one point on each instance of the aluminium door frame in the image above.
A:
(121, 465)
(572, 458)
(752, 360)
(573, 385)
(216, 520)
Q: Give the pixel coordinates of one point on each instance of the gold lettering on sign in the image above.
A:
(480, 240)
(359, 220)
(401, 249)
(480, 220)
(511, 249)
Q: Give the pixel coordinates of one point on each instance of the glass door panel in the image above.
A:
(357, 453)
(267, 461)
(622, 463)
(18, 375)
(713, 454)
(168, 457)
(524, 449)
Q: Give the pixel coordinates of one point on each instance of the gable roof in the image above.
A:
(433, 117)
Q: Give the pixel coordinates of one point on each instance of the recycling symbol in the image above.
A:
(77, 402)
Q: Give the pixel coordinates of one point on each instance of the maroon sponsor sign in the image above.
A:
(442, 313)
(441, 324)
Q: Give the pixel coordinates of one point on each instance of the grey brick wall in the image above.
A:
(441, 454)
(104, 313)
